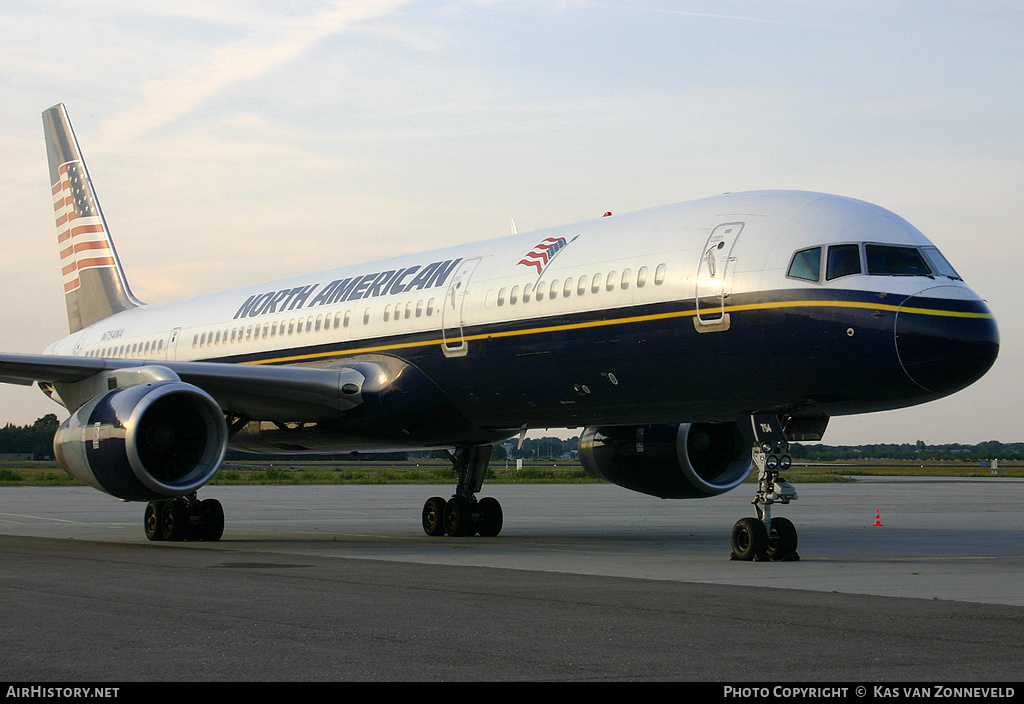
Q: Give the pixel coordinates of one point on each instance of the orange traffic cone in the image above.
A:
(878, 518)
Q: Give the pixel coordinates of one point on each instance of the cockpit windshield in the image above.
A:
(939, 263)
(889, 260)
(849, 259)
(843, 260)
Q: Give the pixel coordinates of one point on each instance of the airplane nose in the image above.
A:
(946, 338)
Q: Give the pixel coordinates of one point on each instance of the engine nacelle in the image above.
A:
(672, 461)
(149, 442)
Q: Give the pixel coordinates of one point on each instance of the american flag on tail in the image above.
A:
(543, 253)
(80, 232)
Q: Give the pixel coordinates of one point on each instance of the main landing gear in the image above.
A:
(184, 518)
(764, 537)
(464, 515)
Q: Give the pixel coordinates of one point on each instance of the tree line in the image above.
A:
(991, 449)
(37, 440)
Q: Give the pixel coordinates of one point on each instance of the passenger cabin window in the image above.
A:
(843, 260)
(889, 260)
(806, 264)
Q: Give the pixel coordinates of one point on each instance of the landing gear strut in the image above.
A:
(464, 515)
(764, 537)
(184, 518)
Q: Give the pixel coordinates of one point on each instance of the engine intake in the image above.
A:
(671, 461)
(144, 443)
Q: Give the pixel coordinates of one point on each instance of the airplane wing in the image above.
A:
(258, 392)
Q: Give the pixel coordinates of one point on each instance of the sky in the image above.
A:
(239, 142)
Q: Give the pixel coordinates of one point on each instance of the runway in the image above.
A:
(585, 583)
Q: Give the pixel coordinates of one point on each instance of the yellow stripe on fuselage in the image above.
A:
(626, 321)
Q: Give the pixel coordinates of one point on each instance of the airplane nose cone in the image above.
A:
(946, 338)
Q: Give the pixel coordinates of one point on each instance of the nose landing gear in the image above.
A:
(764, 537)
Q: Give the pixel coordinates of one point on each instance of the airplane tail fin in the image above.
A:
(94, 283)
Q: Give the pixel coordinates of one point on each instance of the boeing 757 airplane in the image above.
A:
(692, 343)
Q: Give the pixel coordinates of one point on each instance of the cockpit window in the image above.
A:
(806, 264)
(939, 263)
(887, 260)
(843, 260)
(878, 259)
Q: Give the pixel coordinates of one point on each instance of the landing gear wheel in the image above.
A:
(782, 540)
(433, 516)
(462, 515)
(458, 517)
(211, 520)
(184, 518)
(749, 540)
(491, 517)
(151, 521)
(174, 520)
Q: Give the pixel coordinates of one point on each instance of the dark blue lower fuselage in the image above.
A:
(790, 352)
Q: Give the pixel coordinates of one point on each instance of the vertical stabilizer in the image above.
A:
(94, 283)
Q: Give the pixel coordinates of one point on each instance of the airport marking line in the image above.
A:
(37, 518)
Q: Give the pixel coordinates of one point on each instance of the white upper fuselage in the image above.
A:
(611, 263)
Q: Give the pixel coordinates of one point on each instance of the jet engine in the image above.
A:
(671, 461)
(149, 442)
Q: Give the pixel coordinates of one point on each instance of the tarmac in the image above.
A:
(585, 583)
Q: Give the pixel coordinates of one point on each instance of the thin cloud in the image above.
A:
(715, 16)
(265, 48)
